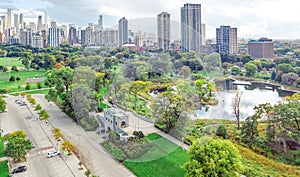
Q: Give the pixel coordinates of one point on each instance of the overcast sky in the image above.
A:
(277, 19)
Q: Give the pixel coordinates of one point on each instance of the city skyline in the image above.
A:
(275, 19)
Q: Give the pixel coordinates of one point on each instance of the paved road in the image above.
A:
(92, 154)
(20, 118)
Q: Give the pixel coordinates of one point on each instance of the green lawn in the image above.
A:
(13, 86)
(4, 171)
(164, 159)
(1, 147)
(10, 61)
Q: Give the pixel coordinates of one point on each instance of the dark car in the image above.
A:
(19, 169)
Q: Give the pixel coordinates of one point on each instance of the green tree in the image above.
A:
(214, 159)
(203, 89)
(137, 87)
(251, 69)
(17, 145)
(168, 107)
(235, 70)
(222, 131)
(185, 71)
(212, 61)
(60, 78)
(26, 59)
(249, 131)
(2, 104)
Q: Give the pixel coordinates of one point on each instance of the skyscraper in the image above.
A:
(123, 31)
(39, 23)
(203, 28)
(191, 32)
(72, 35)
(163, 30)
(226, 40)
(54, 35)
(16, 20)
(9, 18)
(21, 21)
(100, 22)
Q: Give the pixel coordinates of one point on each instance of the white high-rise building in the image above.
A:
(191, 31)
(123, 31)
(40, 23)
(163, 30)
(54, 35)
(37, 41)
(110, 38)
(21, 22)
(9, 18)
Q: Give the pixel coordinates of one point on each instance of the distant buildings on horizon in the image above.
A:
(13, 29)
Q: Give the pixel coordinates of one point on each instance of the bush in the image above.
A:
(138, 134)
(39, 85)
(38, 107)
(114, 150)
(222, 131)
(89, 123)
(12, 79)
(18, 78)
(27, 87)
(14, 68)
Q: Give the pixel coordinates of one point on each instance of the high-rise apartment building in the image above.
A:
(25, 36)
(203, 28)
(54, 35)
(72, 35)
(40, 23)
(191, 31)
(21, 22)
(100, 22)
(9, 18)
(262, 48)
(16, 20)
(163, 30)
(123, 31)
(226, 40)
(37, 41)
(32, 26)
(110, 38)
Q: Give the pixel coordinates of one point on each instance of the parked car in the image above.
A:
(20, 169)
(53, 153)
(19, 101)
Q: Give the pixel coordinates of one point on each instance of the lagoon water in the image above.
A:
(251, 96)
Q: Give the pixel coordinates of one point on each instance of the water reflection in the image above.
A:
(252, 95)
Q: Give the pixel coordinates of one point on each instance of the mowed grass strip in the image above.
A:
(10, 61)
(164, 159)
(1, 147)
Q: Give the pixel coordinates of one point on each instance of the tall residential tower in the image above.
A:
(163, 30)
(123, 31)
(226, 40)
(191, 29)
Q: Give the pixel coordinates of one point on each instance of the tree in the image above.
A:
(289, 78)
(251, 69)
(249, 131)
(38, 107)
(43, 115)
(236, 106)
(235, 70)
(17, 145)
(68, 146)
(185, 71)
(60, 78)
(2, 104)
(138, 87)
(285, 68)
(26, 59)
(214, 159)
(168, 106)
(203, 89)
(222, 131)
(57, 133)
(12, 79)
(212, 61)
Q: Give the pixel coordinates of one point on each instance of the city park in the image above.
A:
(166, 87)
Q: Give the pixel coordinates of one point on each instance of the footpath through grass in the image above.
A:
(164, 159)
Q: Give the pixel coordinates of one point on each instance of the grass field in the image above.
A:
(3, 165)
(164, 159)
(9, 62)
(13, 86)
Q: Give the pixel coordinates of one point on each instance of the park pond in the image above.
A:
(252, 95)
